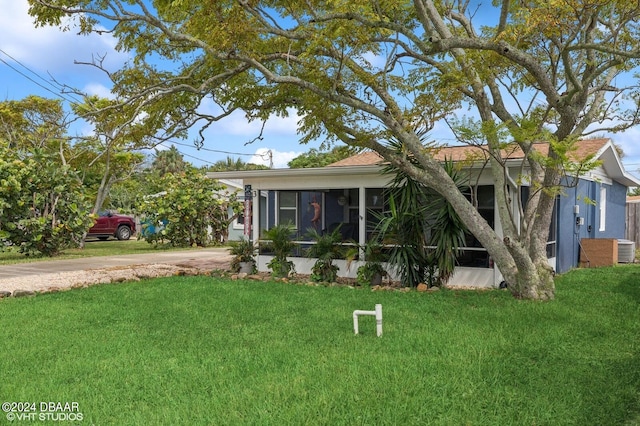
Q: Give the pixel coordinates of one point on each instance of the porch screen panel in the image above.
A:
(311, 212)
(375, 203)
(474, 254)
(288, 208)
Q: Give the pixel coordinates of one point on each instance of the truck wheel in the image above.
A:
(123, 233)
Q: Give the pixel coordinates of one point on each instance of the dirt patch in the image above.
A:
(60, 281)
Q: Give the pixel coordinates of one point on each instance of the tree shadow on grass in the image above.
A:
(629, 284)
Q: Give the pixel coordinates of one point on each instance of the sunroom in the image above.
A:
(350, 192)
(347, 196)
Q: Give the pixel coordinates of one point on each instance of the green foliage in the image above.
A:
(369, 272)
(446, 228)
(373, 254)
(233, 164)
(242, 251)
(192, 205)
(316, 158)
(42, 205)
(279, 241)
(418, 219)
(168, 161)
(327, 247)
(33, 123)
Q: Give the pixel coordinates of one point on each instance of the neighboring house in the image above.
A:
(348, 192)
(234, 185)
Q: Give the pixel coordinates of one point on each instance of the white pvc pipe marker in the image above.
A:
(377, 313)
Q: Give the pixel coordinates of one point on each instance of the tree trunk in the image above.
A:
(523, 266)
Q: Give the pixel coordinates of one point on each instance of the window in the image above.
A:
(238, 222)
(603, 208)
(288, 208)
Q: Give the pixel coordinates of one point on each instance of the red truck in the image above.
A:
(109, 224)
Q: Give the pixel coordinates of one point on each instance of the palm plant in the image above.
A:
(279, 241)
(326, 248)
(403, 227)
(169, 161)
(243, 252)
(447, 230)
(419, 218)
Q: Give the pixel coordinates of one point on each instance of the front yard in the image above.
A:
(202, 350)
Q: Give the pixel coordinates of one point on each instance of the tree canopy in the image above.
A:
(371, 72)
(317, 158)
(231, 164)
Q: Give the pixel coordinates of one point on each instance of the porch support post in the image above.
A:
(255, 216)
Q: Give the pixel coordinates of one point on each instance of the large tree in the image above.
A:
(371, 71)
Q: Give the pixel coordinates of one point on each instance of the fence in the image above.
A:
(633, 223)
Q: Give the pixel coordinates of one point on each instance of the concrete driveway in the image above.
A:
(214, 255)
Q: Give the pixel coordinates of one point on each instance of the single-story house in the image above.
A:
(239, 227)
(348, 192)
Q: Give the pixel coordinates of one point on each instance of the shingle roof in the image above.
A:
(458, 153)
(366, 158)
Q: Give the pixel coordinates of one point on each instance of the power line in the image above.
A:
(220, 151)
(58, 94)
(196, 158)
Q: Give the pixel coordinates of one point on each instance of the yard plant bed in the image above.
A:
(209, 350)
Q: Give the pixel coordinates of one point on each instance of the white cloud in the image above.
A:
(48, 49)
(280, 159)
(98, 89)
(237, 124)
(374, 60)
(629, 141)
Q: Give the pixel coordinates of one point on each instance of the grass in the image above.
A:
(92, 248)
(203, 351)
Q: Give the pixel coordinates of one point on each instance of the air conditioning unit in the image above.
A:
(626, 251)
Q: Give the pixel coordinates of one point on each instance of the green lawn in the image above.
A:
(92, 248)
(208, 351)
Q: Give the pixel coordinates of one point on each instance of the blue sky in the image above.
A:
(33, 59)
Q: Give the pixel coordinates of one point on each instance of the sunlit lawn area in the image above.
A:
(209, 351)
(92, 248)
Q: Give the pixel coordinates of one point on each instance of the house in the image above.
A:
(238, 226)
(349, 192)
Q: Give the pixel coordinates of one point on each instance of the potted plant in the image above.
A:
(326, 248)
(244, 260)
(372, 271)
(278, 240)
